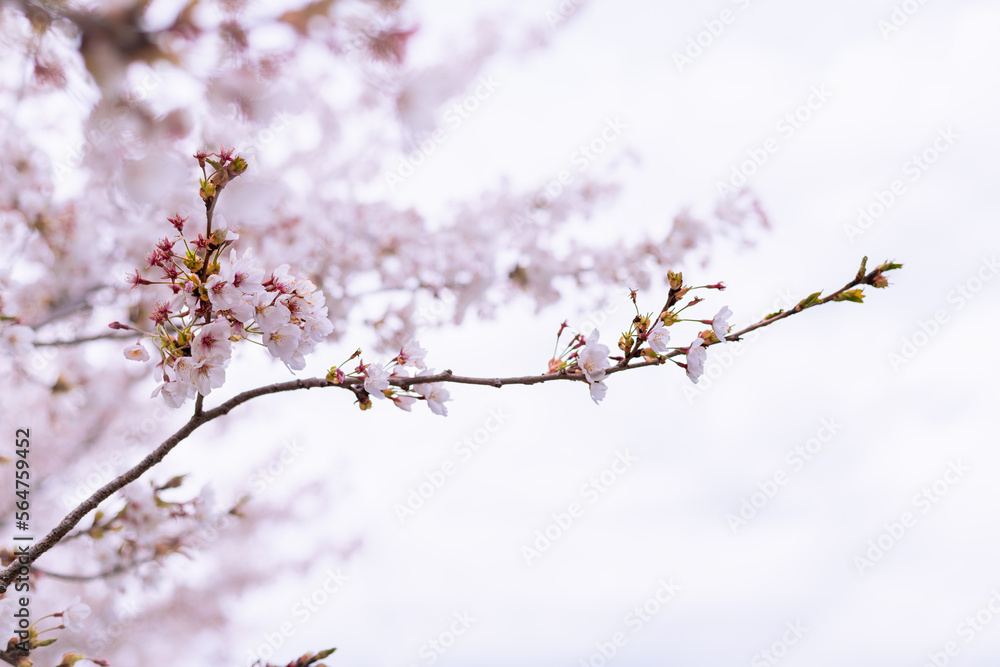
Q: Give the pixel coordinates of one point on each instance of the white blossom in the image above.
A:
(204, 374)
(598, 390)
(594, 358)
(659, 337)
(17, 338)
(436, 394)
(720, 323)
(412, 354)
(213, 341)
(696, 355)
(404, 402)
(246, 274)
(376, 380)
(222, 294)
(283, 342)
(74, 614)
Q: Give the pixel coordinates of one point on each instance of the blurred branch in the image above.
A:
(85, 339)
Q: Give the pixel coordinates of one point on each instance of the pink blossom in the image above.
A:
(213, 341)
(222, 294)
(412, 355)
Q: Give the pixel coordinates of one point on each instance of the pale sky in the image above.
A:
(903, 450)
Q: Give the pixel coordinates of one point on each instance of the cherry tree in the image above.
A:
(184, 187)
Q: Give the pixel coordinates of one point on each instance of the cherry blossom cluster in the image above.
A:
(588, 356)
(216, 303)
(375, 380)
(196, 328)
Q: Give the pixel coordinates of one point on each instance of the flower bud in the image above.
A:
(676, 279)
(192, 261)
(669, 317)
(219, 236)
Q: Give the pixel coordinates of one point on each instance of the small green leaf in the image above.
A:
(809, 300)
(855, 295)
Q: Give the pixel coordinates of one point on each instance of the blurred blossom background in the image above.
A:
(824, 494)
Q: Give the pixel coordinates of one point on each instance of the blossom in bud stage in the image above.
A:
(136, 353)
(880, 281)
(720, 323)
(178, 222)
(675, 279)
(696, 356)
(659, 338)
(70, 659)
(594, 358)
(412, 355)
(376, 380)
(404, 402)
(136, 279)
(435, 393)
(74, 615)
(598, 390)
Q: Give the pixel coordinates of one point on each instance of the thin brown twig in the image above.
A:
(354, 385)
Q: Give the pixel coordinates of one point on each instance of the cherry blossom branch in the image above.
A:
(355, 385)
(121, 568)
(84, 339)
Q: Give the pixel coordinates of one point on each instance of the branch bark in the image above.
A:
(202, 416)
